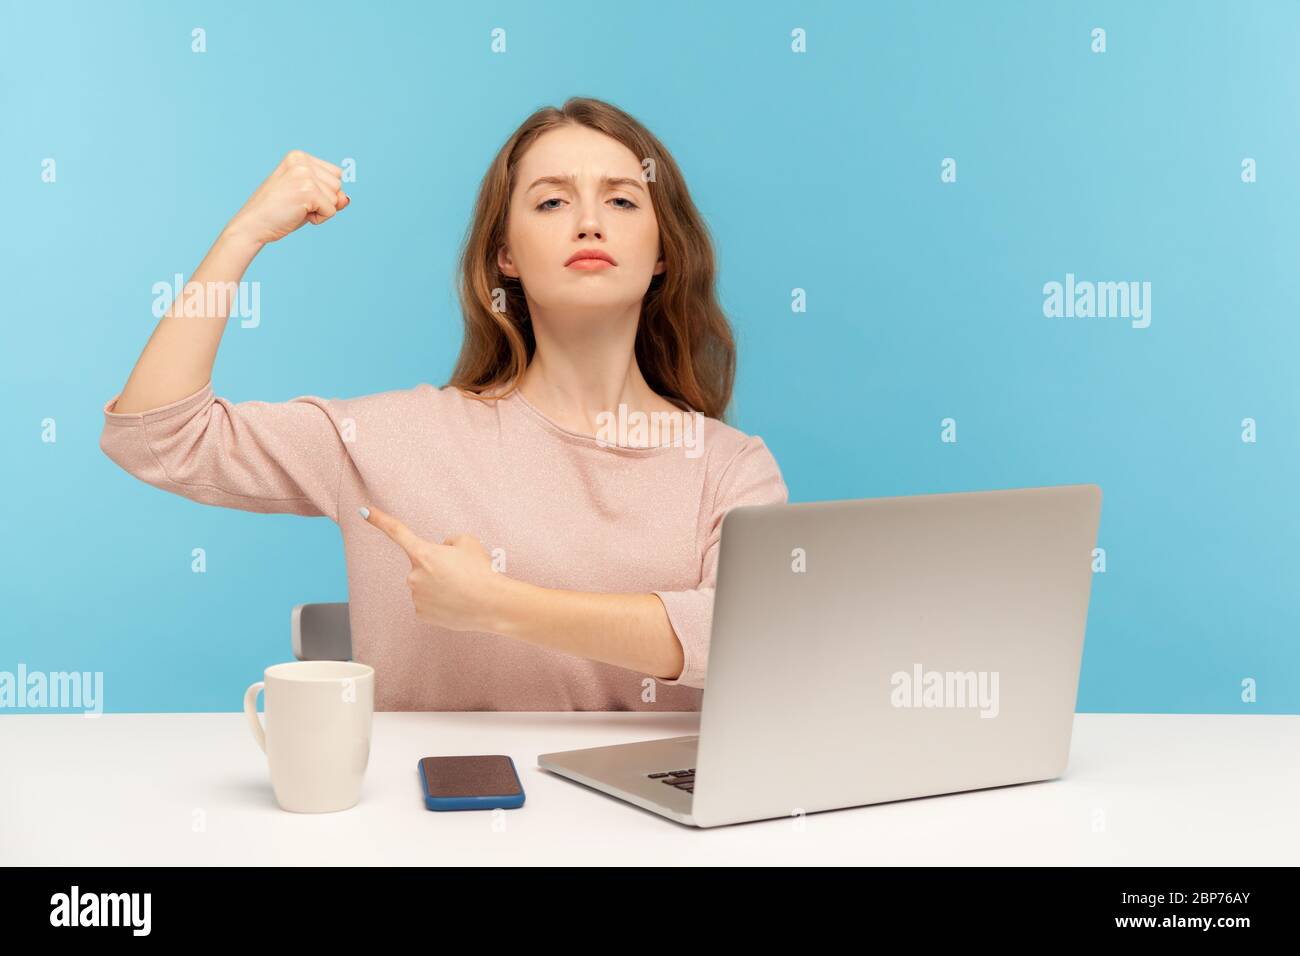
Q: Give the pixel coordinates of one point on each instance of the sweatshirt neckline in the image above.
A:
(578, 438)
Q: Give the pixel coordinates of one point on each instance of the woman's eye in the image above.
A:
(630, 204)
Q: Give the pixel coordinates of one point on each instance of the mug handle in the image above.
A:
(250, 711)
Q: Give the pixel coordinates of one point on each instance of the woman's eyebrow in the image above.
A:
(571, 180)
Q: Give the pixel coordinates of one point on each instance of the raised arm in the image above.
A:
(178, 358)
(167, 427)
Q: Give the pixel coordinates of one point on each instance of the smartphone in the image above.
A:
(482, 782)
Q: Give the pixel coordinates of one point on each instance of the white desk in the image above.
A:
(142, 789)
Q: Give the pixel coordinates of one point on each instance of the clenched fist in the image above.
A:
(301, 189)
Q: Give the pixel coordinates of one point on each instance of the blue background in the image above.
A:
(817, 171)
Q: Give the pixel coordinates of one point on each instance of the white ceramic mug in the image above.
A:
(317, 737)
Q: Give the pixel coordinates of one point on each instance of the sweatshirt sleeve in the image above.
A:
(267, 457)
(752, 477)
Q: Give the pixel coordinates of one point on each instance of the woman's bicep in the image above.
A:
(255, 456)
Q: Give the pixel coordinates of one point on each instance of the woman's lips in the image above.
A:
(590, 264)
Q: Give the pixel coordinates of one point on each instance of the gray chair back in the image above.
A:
(321, 632)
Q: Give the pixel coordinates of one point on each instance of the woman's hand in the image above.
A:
(452, 584)
(301, 189)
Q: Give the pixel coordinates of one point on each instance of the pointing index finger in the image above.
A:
(409, 541)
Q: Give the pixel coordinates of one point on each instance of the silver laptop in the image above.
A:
(876, 650)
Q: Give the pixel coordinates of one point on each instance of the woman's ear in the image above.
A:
(506, 264)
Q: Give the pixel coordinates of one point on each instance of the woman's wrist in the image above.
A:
(508, 604)
(238, 239)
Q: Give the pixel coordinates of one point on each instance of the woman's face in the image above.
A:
(552, 217)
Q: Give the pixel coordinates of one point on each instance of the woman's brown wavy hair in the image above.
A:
(684, 344)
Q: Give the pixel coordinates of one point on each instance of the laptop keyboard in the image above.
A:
(681, 779)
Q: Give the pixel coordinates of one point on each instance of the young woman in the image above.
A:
(507, 548)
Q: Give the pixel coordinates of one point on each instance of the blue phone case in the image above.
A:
(497, 768)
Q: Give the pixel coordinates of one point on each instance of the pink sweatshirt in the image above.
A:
(566, 511)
